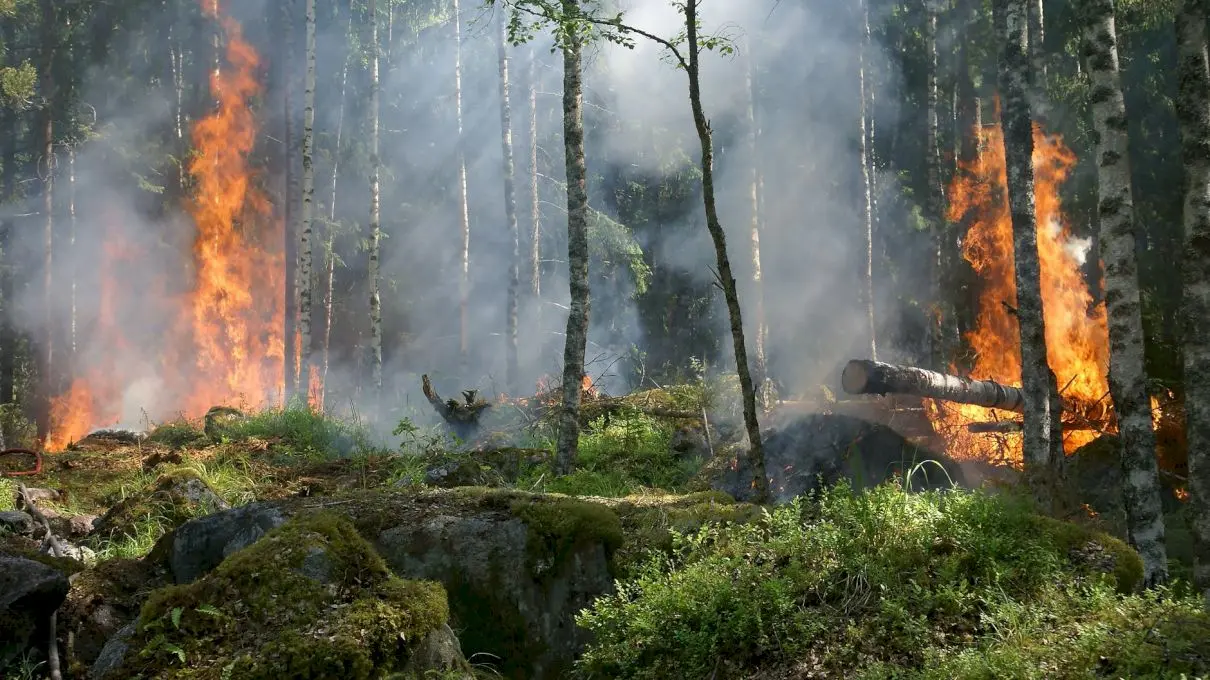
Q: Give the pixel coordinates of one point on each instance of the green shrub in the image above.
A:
(847, 580)
(300, 429)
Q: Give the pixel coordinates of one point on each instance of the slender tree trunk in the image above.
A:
(867, 272)
(535, 204)
(288, 67)
(1193, 112)
(1040, 451)
(756, 453)
(513, 377)
(934, 198)
(1127, 373)
(71, 249)
(329, 248)
(760, 359)
(46, 352)
(8, 184)
(375, 216)
(308, 209)
(576, 336)
(464, 218)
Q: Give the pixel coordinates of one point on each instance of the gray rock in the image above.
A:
(17, 522)
(38, 495)
(497, 592)
(112, 654)
(201, 544)
(828, 447)
(440, 651)
(29, 593)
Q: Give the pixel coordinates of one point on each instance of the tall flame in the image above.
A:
(1077, 336)
(223, 341)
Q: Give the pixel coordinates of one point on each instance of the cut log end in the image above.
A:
(855, 378)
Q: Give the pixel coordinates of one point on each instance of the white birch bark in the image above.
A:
(375, 216)
(1127, 373)
(305, 245)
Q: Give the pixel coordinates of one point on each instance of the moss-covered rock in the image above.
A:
(104, 598)
(312, 599)
(1095, 551)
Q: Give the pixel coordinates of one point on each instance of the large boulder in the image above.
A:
(517, 567)
(826, 447)
(30, 591)
(311, 599)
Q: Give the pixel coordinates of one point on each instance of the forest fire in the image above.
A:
(222, 342)
(1076, 330)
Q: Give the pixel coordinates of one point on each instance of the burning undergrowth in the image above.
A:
(219, 340)
(1076, 329)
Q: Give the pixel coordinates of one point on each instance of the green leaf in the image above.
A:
(176, 617)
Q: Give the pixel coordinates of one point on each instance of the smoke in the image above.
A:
(132, 259)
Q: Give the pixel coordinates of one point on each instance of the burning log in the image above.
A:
(872, 377)
(462, 417)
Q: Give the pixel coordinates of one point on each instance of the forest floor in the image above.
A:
(873, 583)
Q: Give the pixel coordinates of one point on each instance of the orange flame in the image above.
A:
(1076, 331)
(224, 342)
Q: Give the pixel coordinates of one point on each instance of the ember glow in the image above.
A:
(1077, 335)
(222, 342)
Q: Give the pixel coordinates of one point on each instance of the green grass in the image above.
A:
(619, 455)
(300, 430)
(884, 581)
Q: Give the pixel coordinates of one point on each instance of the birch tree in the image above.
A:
(1127, 374)
(290, 205)
(535, 206)
(308, 208)
(375, 216)
(866, 288)
(510, 214)
(1039, 448)
(934, 195)
(760, 360)
(464, 218)
(1193, 113)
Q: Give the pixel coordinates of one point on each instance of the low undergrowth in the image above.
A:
(891, 584)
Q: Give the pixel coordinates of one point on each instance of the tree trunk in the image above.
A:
(73, 273)
(289, 206)
(874, 377)
(8, 185)
(329, 248)
(866, 287)
(1039, 448)
(940, 349)
(1193, 112)
(308, 209)
(535, 205)
(512, 379)
(375, 216)
(1127, 372)
(46, 352)
(576, 336)
(756, 453)
(464, 218)
(760, 360)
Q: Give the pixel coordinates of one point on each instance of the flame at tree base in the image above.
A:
(222, 341)
(1077, 335)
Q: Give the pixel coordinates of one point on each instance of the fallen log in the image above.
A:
(862, 376)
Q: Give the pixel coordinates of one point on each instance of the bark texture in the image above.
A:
(1039, 448)
(46, 167)
(1127, 373)
(576, 337)
(874, 377)
(8, 187)
(1193, 112)
(756, 453)
(760, 359)
(293, 198)
(512, 375)
(934, 198)
(306, 241)
(866, 286)
(464, 218)
(375, 214)
(329, 251)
